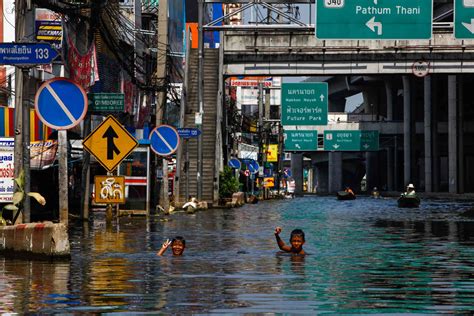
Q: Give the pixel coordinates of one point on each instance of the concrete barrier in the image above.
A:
(38, 239)
(238, 199)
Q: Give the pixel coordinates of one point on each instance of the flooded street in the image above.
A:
(365, 256)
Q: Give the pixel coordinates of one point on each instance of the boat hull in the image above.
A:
(409, 201)
(342, 195)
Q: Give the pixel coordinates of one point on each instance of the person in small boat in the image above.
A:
(178, 244)
(375, 193)
(296, 241)
(410, 190)
(349, 190)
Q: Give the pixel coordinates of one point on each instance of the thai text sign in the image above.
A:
(106, 102)
(304, 103)
(109, 189)
(6, 169)
(300, 140)
(346, 140)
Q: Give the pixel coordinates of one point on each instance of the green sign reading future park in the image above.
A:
(300, 140)
(374, 19)
(463, 19)
(304, 103)
(345, 140)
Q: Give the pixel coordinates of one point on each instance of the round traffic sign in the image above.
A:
(420, 68)
(164, 140)
(61, 103)
(235, 163)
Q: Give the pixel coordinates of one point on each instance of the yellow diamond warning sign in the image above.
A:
(110, 143)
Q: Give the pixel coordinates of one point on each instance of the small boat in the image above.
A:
(409, 201)
(343, 195)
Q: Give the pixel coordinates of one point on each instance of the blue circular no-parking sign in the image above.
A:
(61, 103)
(164, 140)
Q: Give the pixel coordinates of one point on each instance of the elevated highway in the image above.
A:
(424, 122)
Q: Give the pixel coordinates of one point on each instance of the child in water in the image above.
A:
(177, 246)
(296, 240)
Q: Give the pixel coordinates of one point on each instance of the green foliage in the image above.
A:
(19, 197)
(228, 184)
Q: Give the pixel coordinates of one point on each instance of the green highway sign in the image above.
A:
(304, 103)
(106, 102)
(374, 19)
(369, 140)
(346, 140)
(463, 19)
(300, 140)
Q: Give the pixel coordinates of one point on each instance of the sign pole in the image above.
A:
(26, 149)
(63, 177)
(186, 164)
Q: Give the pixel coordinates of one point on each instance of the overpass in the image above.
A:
(425, 123)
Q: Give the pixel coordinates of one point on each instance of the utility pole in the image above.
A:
(161, 74)
(23, 28)
(201, 7)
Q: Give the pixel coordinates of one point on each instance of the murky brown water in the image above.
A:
(366, 256)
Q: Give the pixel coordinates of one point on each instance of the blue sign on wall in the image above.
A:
(61, 103)
(26, 54)
(164, 140)
(189, 132)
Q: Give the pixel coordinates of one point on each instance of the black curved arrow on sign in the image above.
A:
(110, 134)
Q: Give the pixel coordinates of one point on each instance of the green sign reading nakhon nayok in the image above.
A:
(304, 103)
(297, 140)
(106, 102)
(345, 140)
(463, 19)
(374, 19)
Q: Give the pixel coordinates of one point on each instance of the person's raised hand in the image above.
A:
(166, 244)
(277, 230)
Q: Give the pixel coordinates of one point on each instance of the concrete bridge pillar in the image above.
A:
(297, 172)
(322, 178)
(389, 95)
(434, 133)
(427, 131)
(407, 130)
(390, 168)
(314, 178)
(371, 170)
(335, 171)
(452, 135)
(337, 105)
(372, 101)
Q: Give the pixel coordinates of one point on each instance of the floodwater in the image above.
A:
(365, 256)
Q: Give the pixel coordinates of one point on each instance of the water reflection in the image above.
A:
(366, 256)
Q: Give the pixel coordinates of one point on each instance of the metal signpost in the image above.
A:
(110, 143)
(299, 140)
(19, 54)
(374, 19)
(106, 102)
(345, 140)
(463, 19)
(60, 104)
(304, 103)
